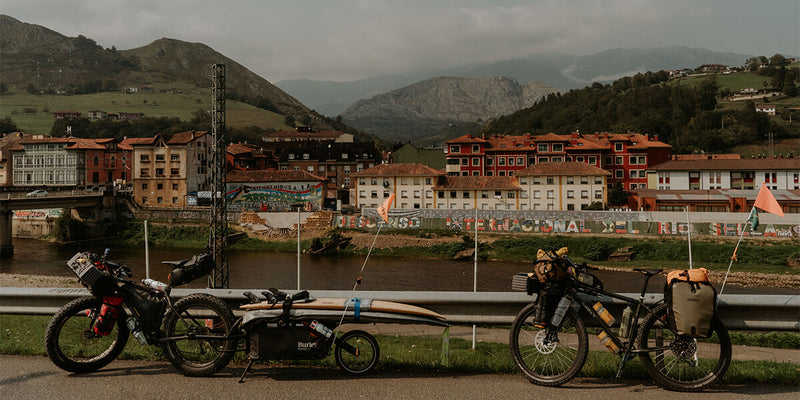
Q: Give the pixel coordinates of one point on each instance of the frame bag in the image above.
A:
(691, 302)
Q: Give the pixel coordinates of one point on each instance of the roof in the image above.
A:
(306, 134)
(707, 156)
(185, 137)
(552, 137)
(400, 170)
(731, 164)
(468, 138)
(238, 148)
(562, 168)
(270, 176)
(477, 182)
(714, 194)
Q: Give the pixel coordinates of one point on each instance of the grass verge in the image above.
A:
(24, 335)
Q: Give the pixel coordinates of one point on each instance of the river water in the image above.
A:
(261, 270)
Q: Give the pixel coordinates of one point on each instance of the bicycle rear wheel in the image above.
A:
(547, 356)
(197, 335)
(681, 363)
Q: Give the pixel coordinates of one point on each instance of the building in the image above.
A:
(481, 192)
(303, 134)
(544, 186)
(412, 185)
(243, 156)
(166, 170)
(626, 156)
(768, 109)
(262, 190)
(712, 200)
(70, 162)
(8, 142)
(66, 114)
(561, 186)
(778, 173)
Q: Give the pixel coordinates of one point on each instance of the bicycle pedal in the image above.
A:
(540, 325)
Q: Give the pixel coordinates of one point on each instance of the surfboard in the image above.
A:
(363, 305)
(334, 316)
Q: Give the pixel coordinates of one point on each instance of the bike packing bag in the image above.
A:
(100, 283)
(549, 270)
(148, 306)
(191, 269)
(526, 282)
(109, 314)
(691, 302)
(547, 300)
(269, 341)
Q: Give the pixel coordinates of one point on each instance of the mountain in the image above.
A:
(423, 109)
(48, 60)
(555, 69)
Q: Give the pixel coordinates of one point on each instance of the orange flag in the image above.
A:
(383, 209)
(766, 201)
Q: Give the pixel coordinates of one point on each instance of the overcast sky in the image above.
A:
(352, 39)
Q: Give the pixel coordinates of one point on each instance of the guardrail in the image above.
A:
(737, 311)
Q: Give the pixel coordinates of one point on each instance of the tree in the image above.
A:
(7, 125)
(707, 94)
(777, 60)
(617, 194)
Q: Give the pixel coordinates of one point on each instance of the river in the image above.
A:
(261, 270)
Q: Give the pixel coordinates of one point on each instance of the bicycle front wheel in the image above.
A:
(197, 336)
(73, 345)
(681, 363)
(548, 356)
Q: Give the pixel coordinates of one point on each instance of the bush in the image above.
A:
(66, 228)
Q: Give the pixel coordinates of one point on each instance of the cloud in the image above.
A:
(349, 39)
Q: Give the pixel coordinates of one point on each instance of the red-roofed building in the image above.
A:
(778, 173)
(70, 162)
(243, 156)
(412, 185)
(562, 186)
(626, 156)
(166, 170)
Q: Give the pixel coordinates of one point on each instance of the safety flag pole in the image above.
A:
(383, 212)
(764, 201)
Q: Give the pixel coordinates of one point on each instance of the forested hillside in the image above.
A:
(691, 117)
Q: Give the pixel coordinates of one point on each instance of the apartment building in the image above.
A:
(561, 186)
(166, 169)
(778, 173)
(412, 185)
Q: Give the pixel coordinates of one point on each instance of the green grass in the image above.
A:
(24, 335)
(181, 105)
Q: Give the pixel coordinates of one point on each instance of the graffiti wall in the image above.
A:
(275, 196)
(42, 214)
(515, 224)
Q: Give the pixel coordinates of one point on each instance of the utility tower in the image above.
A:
(218, 239)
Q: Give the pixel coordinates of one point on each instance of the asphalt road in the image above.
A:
(37, 378)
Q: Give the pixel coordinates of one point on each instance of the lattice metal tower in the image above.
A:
(218, 240)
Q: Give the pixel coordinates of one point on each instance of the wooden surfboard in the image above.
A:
(339, 304)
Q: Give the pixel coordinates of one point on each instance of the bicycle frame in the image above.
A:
(627, 346)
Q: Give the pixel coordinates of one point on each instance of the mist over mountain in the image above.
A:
(558, 70)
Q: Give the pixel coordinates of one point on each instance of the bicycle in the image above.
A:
(551, 353)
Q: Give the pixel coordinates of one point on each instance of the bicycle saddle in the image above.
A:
(649, 271)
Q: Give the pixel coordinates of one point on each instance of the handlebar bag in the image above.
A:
(191, 269)
(691, 302)
(549, 270)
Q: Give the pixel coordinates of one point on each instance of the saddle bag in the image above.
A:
(549, 270)
(691, 302)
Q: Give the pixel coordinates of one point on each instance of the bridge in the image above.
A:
(11, 201)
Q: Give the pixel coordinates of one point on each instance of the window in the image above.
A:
(160, 200)
(465, 195)
(584, 180)
(454, 148)
(592, 160)
(510, 160)
(362, 194)
(96, 160)
(523, 181)
(417, 194)
(374, 194)
(291, 156)
(440, 195)
(144, 200)
(570, 180)
(570, 207)
(537, 194)
(373, 181)
(174, 186)
(598, 180)
(476, 148)
(550, 180)
(537, 180)
(618, 160)
(642, 160)
(346, 169)
(558, 147)
(489, 162)
(551, 194)
(464, 162)
(476, 162)
(521, 161)
(311, 169)
(634, 173)
(428, 181)
(144, 172)
(144, 158)
(174, 200)
(144, 186)
(501, 161)
(452, 194)
(598, 194)
(174, 171)
(542, 147)
(362, 181)
(174, 157)
(632, 160)
(618, 173)
(484, 194)
(159, 186)
(404, 194)
(570, 194)
(428, 194)
(584, 194)
(618, 146)
(344, 156)
(498, 194)
(543, 159)
(511, 194)
(555, 159)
